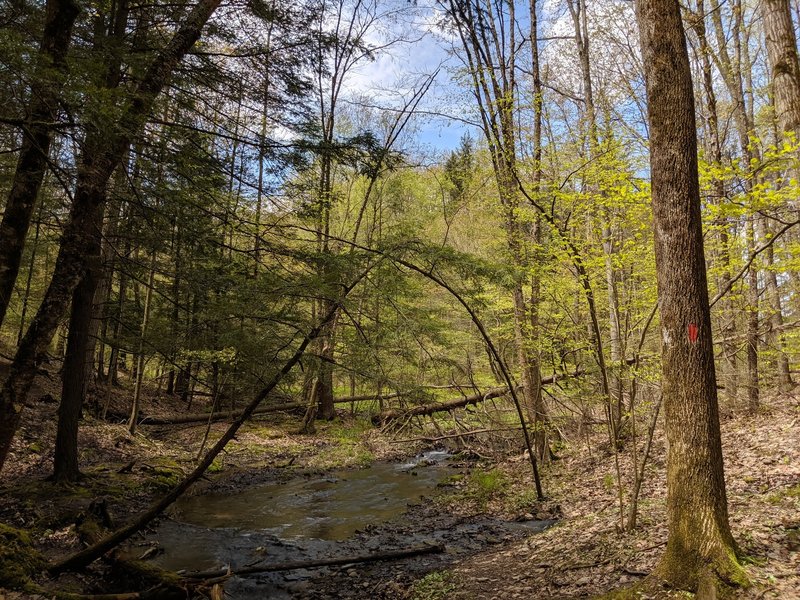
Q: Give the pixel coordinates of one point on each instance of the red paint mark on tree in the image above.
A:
(694, 332)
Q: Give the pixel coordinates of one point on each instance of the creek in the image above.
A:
(339, 514)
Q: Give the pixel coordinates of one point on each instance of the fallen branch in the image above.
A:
(222, 415)
(324, 562)
(429, 409)
(749, 262)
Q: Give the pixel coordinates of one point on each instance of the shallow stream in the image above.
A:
(339, 514)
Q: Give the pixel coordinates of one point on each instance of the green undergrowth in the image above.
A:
(344, 445)
(434, 586)
(480, 488)
(792, 492)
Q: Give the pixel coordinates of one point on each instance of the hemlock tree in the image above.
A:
(700, 554)
(94, 172)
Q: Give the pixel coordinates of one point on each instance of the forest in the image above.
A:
(413, 300)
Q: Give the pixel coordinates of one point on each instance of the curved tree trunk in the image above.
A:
(700, 551)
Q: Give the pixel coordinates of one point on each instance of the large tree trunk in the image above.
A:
(36, 139)
(700, 549)
(784, 65)
(728, 310)
(76, 361)
(94, 173)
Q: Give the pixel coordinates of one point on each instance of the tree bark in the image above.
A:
(784, 64)
(728, 310)
(700, 553)
(36, 140)
(94, 172)
(74, 381)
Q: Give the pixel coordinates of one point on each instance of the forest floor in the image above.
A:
(583, 554)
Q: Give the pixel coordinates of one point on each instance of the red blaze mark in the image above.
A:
(694, 332)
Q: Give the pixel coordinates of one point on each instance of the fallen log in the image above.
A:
(429, 409)
(217, 416)
(224, 415)
(434, 407)
(324, 562)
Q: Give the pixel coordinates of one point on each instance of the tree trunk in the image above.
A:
(137, 389)
(752, 322)
(76, 361)
(36, 139)
(728, 310)
(29, 279)
(784, 65)
(773, 317)
(700, 553)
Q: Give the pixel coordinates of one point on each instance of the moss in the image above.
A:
(90, 531)
(716, 577)
(216, 466)
(18, 559)
(137, 574)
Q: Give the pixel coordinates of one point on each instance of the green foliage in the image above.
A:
(790, 493)
(434, 586)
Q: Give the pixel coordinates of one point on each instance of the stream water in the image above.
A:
(340, 514)
(332, 507)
